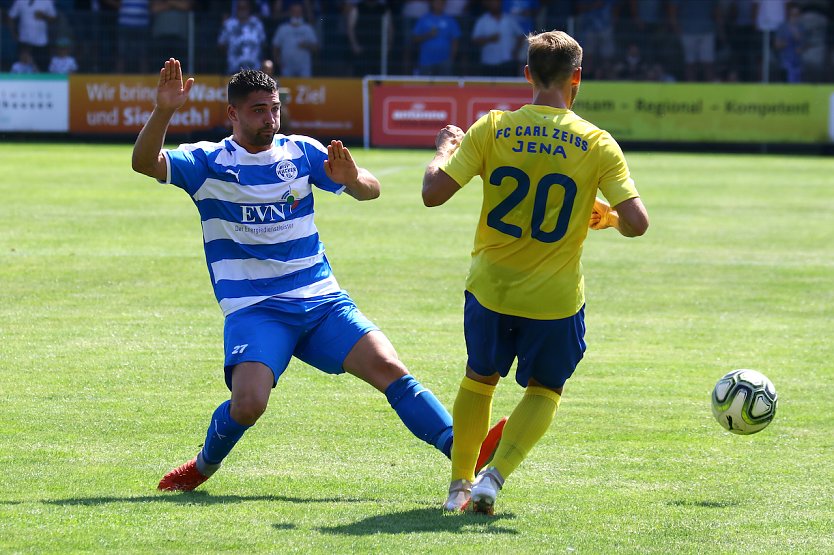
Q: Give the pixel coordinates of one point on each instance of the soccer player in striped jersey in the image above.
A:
(254, 193)
(541, 167)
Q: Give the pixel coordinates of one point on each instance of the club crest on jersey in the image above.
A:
(286, 171)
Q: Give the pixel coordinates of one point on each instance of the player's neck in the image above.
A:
(249, 147)
(555, 98)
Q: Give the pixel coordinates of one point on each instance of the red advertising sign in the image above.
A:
(411, 115)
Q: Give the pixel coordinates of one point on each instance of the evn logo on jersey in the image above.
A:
(263, 213)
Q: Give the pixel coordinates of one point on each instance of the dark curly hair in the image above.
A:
(249, 80)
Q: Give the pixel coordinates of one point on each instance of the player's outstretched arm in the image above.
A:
(341, 168)
(171, 94)
(438, 186)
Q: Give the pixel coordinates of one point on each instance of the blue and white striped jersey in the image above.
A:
(257, 215)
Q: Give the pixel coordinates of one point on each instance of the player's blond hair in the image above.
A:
(552, 56)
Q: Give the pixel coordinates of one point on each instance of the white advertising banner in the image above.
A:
(34, 103)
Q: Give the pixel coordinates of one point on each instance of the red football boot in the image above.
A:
(182, 478)
(490, 444)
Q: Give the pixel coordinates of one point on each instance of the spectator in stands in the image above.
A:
(524, 11)
(369, 21)
(463, 12)
(271, 12)
(814, 19)
(294, 43)
(134, 20)
(499, 36)
(32, 29)
(261, 8)
(437, 35)
(770, 14)
(595, 30)
(63, 61)
(170, 28)
(632, 67)
(410, 12)
(61, 27)
(648, 28)
(25, 61)
(744, 41)
(789, 41)
(555, 14)
(457, 9)
(333, 38)
(281, 9)
(696, 23)
(242, 37)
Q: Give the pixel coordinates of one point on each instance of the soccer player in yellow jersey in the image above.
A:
(541, 167)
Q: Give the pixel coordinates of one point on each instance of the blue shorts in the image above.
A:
(320, 333)
(547, 350)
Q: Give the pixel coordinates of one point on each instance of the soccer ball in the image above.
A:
(744, 401)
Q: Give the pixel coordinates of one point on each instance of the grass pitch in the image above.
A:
(111, 358)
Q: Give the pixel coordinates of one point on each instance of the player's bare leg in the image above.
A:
(251, 385)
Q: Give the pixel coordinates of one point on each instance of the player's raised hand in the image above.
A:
(448, 138)
(171, 92)
(340, 166)
(602, 216)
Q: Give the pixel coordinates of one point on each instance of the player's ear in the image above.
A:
(231, 112)
(527, 74)
(576, 77)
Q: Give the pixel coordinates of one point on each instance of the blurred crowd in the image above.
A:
(634, 40)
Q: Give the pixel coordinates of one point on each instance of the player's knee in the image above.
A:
(391, 367)
(384, 371)
(247, 410)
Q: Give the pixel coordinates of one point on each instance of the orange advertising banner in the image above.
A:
(120, 104)
(324, 109)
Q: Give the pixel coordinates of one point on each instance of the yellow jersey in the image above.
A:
(541, 169)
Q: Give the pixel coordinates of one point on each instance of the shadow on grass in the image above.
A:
(703, 503)
(422, 520)
(196, 498)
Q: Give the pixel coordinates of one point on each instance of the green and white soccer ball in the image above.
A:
(744, 401)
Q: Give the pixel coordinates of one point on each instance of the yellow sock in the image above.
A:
(525, 427)
(470, 417)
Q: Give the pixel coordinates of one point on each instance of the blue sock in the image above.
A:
(222, 435)
(421, 413)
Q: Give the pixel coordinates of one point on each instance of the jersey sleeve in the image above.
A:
(316, 154)
(455, 31)
(310, 35)
(278, 37)
(420, 27)
(467, 161)
(615, 181)
(479, 31)
(187, 168)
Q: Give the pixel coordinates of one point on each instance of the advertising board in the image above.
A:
(33, 103)
(410, 114)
